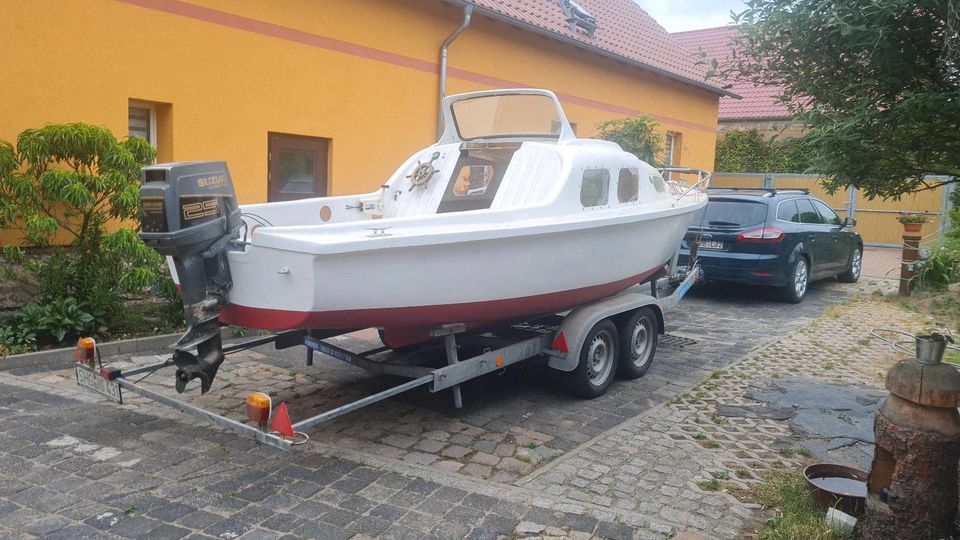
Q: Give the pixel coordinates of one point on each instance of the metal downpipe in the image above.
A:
(467, 14)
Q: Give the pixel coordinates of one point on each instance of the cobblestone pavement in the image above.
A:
(686, 460)
(521, 458)
(881, 262)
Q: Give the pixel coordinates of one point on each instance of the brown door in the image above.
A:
(297, 167)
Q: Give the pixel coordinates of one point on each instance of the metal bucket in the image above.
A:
(837, 486)
(930, 350)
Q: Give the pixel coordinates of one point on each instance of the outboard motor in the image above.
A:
(188, 211)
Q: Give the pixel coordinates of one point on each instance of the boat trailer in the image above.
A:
(559, 338)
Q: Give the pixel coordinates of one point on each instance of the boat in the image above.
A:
(507, 216)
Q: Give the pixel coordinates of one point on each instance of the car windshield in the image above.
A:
(507, 115)
(731, 214)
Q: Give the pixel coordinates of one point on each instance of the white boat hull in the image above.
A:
(480, 282)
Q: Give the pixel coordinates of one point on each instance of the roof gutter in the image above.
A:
(467, 14)
(494, 14)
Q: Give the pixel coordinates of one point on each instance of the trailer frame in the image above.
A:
(536, 338)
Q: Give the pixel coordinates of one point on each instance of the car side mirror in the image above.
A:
(850, 222)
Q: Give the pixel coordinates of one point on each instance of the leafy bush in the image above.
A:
(16, 339)
(913, 218)
(55, 322)
(940, 268)
(639, 136)
(75, 184)
(745, 151)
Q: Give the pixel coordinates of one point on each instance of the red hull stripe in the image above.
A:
(471, 312)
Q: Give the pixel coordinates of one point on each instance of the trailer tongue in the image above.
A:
(189, 212)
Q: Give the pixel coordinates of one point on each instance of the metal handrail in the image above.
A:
(703, 177)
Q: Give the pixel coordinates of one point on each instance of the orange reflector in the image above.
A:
(258, 407)
(86, 349)
(499, 361)
(560, 343)
(281, 422)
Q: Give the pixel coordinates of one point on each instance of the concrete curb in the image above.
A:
(63, 357)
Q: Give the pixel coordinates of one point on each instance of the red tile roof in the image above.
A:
(624, 31)
(759, 102)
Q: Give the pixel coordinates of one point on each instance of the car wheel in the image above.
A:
(796, 287)
(853, 271)
(598, 361)
(638, 343)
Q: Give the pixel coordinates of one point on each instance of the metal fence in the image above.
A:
(876, 218)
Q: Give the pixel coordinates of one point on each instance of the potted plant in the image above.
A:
(912, 222)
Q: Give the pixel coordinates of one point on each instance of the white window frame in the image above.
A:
(670, 147)
(153, 119)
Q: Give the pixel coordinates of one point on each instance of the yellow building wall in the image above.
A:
(363, 73)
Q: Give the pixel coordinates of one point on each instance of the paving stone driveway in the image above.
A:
(413, 466)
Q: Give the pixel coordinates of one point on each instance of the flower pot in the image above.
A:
(912, 227)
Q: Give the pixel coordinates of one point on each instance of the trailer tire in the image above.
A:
(598, 361)
(638, 343)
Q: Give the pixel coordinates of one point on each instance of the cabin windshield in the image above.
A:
(506, 116)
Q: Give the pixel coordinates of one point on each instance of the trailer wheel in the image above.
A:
(638, 343)
(598, 361)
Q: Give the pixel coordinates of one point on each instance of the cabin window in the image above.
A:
(658, 184)
(628, 185)
(595, 187)
(473, 180)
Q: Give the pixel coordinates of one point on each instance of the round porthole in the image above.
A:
(325, 213)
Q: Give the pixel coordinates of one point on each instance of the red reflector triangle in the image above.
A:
(281, 421)
(560, 343)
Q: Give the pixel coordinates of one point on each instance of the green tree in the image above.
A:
(744, 151)
(71, 181)
(877, 82)
(639, 136)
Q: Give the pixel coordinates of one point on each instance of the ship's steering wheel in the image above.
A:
(423, 173)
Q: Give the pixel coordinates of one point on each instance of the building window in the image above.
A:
(628, 185)
(142, 121)
(297, 166)
(595, 187)
(153, 121)
(671, 154)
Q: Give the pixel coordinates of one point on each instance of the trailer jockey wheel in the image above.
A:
(638, 343)
(599, 356)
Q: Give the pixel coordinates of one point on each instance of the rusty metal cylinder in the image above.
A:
(912, 487)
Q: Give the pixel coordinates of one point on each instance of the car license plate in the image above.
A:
(91, 380)
(711, 244)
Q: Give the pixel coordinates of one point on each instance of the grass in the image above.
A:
(795, 513)
(720, 475)
(709, 443)
(709, 485)
(743, 474)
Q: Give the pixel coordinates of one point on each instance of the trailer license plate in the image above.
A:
(93, 381)
(711, 244)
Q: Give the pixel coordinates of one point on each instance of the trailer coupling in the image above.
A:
(189, 212)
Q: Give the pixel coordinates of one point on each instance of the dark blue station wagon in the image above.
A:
(778, 238)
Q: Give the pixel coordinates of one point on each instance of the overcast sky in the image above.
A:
(679, 15)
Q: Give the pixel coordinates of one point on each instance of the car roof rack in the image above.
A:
(770, 192)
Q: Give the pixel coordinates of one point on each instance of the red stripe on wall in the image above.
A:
(256, 26)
